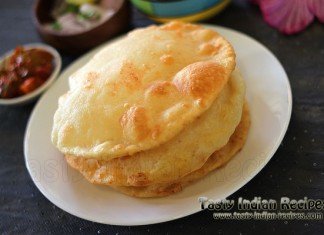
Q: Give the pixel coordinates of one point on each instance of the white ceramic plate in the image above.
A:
(270, 100)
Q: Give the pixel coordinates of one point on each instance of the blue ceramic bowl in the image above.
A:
(184, 10)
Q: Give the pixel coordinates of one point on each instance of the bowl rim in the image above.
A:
(30, 96)
(43, 29)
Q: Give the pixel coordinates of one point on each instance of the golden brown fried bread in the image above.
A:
(142, 91)
(183, 154)
(216, 160)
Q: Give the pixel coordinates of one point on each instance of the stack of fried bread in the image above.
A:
(154, 111)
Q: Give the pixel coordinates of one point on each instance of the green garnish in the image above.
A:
(89, 16)
(71, 8)
(56, 26)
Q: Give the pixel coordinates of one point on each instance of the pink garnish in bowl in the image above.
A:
(291, 16)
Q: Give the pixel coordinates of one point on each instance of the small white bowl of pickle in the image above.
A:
(26, 72)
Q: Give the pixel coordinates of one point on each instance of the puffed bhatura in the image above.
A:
(142, 91)
(154, 111)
